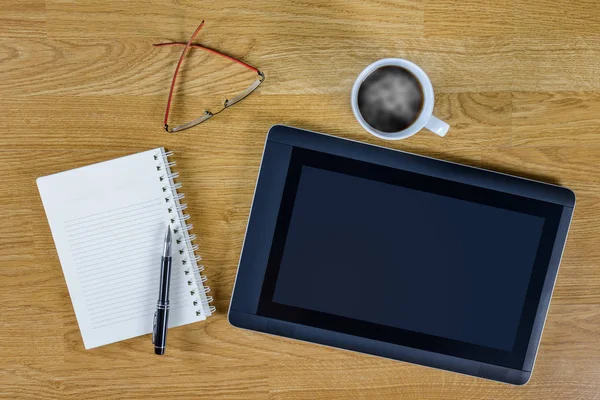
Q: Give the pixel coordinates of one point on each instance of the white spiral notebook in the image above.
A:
(108, 222)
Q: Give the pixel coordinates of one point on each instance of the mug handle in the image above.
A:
(437, 126)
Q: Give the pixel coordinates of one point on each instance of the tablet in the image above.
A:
(401, 256)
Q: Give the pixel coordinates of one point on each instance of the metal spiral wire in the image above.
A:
(187, 249)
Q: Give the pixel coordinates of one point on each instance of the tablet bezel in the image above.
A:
(279, 147)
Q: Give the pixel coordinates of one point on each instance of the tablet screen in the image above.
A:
(409, 259)
(428, 262)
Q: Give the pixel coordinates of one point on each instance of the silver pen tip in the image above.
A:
(168, 240)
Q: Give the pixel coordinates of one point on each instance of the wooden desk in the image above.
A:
(518, 81)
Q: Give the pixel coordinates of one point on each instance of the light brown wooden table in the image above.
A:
(518, 81)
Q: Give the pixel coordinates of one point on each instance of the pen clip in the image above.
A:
(154, 328)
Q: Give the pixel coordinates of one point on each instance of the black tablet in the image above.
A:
(401, 256)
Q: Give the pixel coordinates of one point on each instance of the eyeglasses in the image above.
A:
(226, 104)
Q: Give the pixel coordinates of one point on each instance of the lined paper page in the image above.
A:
(108, 221)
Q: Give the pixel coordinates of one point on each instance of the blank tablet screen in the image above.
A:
(409, 259)
(436, 263)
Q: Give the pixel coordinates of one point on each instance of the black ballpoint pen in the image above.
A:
(161, 315)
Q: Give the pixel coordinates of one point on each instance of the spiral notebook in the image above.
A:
(108, 222)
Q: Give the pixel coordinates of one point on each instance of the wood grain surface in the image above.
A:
(518, 81)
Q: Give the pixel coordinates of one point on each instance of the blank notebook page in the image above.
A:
(108, 221)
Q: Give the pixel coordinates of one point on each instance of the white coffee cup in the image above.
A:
(425, 118)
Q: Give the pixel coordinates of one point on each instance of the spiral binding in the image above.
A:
(183, 239)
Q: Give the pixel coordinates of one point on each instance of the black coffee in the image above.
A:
(390, 99)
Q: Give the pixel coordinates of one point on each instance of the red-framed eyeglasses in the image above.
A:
(226, 104)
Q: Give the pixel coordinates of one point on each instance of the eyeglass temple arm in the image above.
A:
(250, 67)
(187, 46)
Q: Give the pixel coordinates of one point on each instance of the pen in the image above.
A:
(161, 315)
